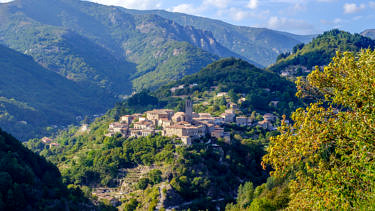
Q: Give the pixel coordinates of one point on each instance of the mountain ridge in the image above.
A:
(33, 98)
(232, 36)
(319, 52)
(138, 39)
(369, 33)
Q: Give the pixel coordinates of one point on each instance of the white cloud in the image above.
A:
(132, 4)
(5, 1)
(206, 5)
(238, 14)
(337, 20)
(292, 25)
(253, 4)
(325, 0)
(216, 3)
(185, 8)
(372, 4)
(353, 8)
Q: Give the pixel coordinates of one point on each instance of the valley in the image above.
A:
(110, 108)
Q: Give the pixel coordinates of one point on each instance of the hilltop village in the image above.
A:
(187, 126)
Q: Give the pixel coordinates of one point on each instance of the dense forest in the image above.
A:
(34, 100)
(201, 175)
(238, 78)
(196, 174)
(298, 135)
(29, 182)
(321, 50)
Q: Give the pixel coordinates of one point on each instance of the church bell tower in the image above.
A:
(188, 110)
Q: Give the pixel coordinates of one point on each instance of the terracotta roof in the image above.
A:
(179, 114)
(268, 115)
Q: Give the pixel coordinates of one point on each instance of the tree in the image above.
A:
(233, 96)
(330, 148)
(245, 194)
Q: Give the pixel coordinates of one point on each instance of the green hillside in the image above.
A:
(186, 60)
(255, 44)
(68, 36)
(65, 52)
(238, 78)
(320, 162)
(202, 176)
(320, 51)
(29, 182)
(33, 98)
(157, 171)
(102, 51)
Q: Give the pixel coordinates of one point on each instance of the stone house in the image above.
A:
(159, 114)
(242, 121)
(228, 116)
(144, 125)
(185, 129)
(128, 119)
(269, 117)
(118, 127)
(267, 125)
(218, 132)
(164, 122)
(178, 117)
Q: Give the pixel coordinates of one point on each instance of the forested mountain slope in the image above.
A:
(158, 171)
(33, 98)
(239, 79)
(101, 51)
(320, 51)
(147, 171)
(68, 36)
(256, 44)
(29, 182)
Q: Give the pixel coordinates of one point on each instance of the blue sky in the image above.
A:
(296, 16)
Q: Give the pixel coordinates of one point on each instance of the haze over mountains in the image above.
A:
(369, 33)
(33, 97)
(153, 110)
(256, 44)
(112, 51)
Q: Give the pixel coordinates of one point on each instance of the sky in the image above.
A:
(295, 16)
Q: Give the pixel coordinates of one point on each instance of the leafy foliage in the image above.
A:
(272, 195)
(29, 182)
(67, 37)
(138, 103)
(236, 77)
(322, 49)
(330, 146)
(194, 173)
